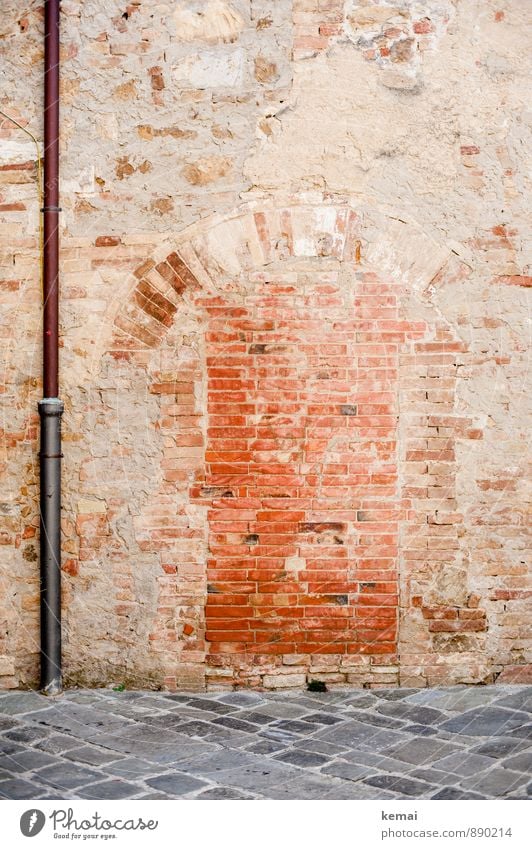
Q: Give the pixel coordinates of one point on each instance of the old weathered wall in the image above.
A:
(294, 342)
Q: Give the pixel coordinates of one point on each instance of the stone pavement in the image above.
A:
(449, 743)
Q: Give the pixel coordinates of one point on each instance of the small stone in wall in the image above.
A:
(162, 205)
(265, 71)
(217, 22)
(126, 91)
(402, 51)
(371, 15)
(123, 168)
(211, 69)
(207, 170)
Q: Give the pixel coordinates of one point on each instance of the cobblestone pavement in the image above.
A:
(449, 743)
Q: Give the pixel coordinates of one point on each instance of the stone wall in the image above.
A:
(294, 278)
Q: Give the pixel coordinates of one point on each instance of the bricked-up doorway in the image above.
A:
(297, 367)
(302, 416)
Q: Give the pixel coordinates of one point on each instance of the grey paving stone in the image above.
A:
(172, 720)
(57, 743)
(455, 793)
(224, 759)
(422, 751)
(196, 729)
(322, 718)
(380, 762)
(486, 722)
(421, 730)
(66, 776)
(357, 790)
(524, 731)
(91, 755)
(362, 702)
(32, 759)
(322, 747)
(454, 699)
(377, 720)
(396, 694)
(284, 710)
(212, 705)
(363, 735)
(280, 736)
(229, 739)
(434, 776)
(519, 763)
(113, 789)
(132, 768)
(22, 702)
(235, 724)
(141, 732)
(222, 793)
(500, 747)
(350, 771)
(17, 788)
(302, 758)
(175, 783)
(242, 698)
(26, 734)
(76, 721)
(461, 763)
(413, 713)
(401, 784)
(6, 723)
(154, 795)
(179, 698)
(265, 747)
(304, 787)
(255, 717)
(494, 784)
(9, 761)
(296, 726)
(177, 752)
(521, 700)
(261, 777)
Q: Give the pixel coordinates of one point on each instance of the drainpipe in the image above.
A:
(50, 407)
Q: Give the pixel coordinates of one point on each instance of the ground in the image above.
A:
(445, 743)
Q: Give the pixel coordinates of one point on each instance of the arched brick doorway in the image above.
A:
(284, 474)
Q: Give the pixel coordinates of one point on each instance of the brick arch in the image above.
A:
(218, 250)
(318, 566)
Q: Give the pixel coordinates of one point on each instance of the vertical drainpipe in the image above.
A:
(50, 407)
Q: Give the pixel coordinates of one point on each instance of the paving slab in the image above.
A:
(18, 788)
(112, 789)
(423, 751)
(401, 784)
(495, 783)
(222, 793)
(66, 776)
(486, 722)
(175, 783)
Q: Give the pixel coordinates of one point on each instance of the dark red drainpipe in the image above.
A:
(51, 408)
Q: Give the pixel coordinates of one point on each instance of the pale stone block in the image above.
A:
(211, 69)
(7, 665)
(277, 682)
(91, 506)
